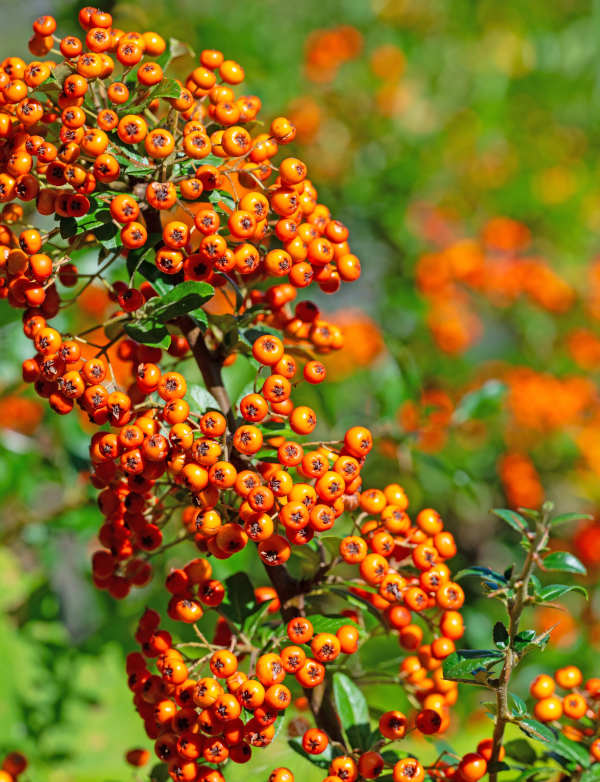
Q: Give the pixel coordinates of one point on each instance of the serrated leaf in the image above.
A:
(565, 562)
(521, 750)
(148, 332)
(391, 756)
(352, 709)
(225, 322)
(465, 664)
(500, 635)
(512, 518)
(250, 335)
(537, 730)
(554, 591)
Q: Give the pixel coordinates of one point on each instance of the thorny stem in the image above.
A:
(515, 606)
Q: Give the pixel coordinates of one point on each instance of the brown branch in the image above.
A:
(511, 658)
(209, 366)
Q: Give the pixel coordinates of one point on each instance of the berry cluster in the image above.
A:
(121, 155)
(576, 712)
(165, 179)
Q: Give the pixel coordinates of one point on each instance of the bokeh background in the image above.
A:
(458, 139)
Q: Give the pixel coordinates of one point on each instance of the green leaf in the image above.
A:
(136, 170)
(512, 518)
(519, 707)
(183, 299)
(137, 256)
(565, 518)
(499, 765)
(322, 761)
(331, 624)
(572, 750)
(167, 88)
(591, 774)
(199, 315)
(253, 621)
(537, 730)
(106, 232)
(218, 197)
(391, 756)
(500, 635)
(159, 773)
(464, 664)
(240, 602)
(202, 398)
(531, 774)
(554, 591)
(565, 562)
(352, 710)
(162, 283)
(174, 50)
(362, 603)
(481, 402)
(250, 335)
(67, 227)
(226, 323)
(527, 640)
(483, 572)
(521, 750)
(148, 332)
